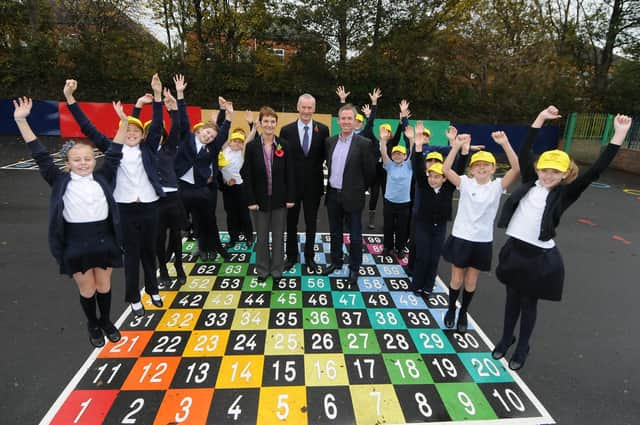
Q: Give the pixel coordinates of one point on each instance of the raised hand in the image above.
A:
(117, 106)
(156, 84)
(228, 110)
(180, 84)
(500, 137)
(70, 87)
(375, 95)
(170, 102)
(451, 132)
(621, 125)
(409, 132)
(342, 94)
(550, 113)
(222, 102)
(366, 110)
(145, 99)
(420, 139)
(460, 141)
(404, 109)
(384, 134)
(248, 116)
(22, 107)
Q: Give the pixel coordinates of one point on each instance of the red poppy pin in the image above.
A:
(315, 129)
(279, 151)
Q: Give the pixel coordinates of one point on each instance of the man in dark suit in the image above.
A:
(306, 140)
(351, 171)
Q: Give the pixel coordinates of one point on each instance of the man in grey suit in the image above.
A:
(351, 170)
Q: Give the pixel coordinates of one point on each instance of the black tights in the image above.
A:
(526, 308)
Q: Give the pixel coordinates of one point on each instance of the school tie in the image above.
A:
(305, 140)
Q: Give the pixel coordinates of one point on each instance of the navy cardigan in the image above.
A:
(58, 180)
(561, 197)
(102, 142)
(203, 162)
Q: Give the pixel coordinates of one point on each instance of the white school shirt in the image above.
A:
(232, 170)
(477, 209)
(84, 200)
(527, 219)
(188, 176)
(132, 182)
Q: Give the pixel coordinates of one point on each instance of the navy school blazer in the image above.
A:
(58, 180)
(148, 148)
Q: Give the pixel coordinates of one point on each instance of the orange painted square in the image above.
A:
(132, 344)
(187, 405)
(152, 373)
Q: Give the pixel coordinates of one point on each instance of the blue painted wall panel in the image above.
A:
(44, 118)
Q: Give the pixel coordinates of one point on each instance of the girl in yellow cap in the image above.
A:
(235, 205)
(530, 264)
(469, 247)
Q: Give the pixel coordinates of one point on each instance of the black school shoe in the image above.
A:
(95, 336)
(501, 349)
(111, 332)
(182, 277)
(462, 322)
(518, 359)
(450, 318)
(137, 312)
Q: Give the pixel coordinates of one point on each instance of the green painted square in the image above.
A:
(385, 318)
(431, 341)
(189, 246)
(319, 318)
(240, 247)
(233, 269)
(484, 369)
(359, 341)
(286, 299)
(316, 283)
(407, 368)
(251, 284)
(347, 299)
(465, 401)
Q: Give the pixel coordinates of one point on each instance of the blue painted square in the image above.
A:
(391, 270)
(372, 284)
(407, 300)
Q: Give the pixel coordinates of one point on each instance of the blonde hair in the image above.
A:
(572, 173)
(72, 144)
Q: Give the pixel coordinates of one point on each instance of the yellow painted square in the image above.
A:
(222, 300)
(199, 283)
(252, 319)
(179, 320)
(240, 372)
(373, 404)
(206, 343)
(282, 405)
(185, 266)
(167, 300)
(284, 342)
(325, 370)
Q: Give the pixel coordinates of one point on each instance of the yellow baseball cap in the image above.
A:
(426, 131)
(435, 155)
(360, 117)
(148, 123)
(386, 126)
(196, 126)
(399, 148)
(483, 156)
(135, 121)
(554, 159)
(436, 168)
(236, 135)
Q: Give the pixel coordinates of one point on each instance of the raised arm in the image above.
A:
(223, 130)
(342, 95)
(145, 99)
(409, 134)
(367, 131)
(418, 160)
(47, 168)
(621, 126)
(447, 169)
(185, 124)
(501, 139)
(155, 129)
(385, 135)
(101, 141)
(526, 158)
(171, 104)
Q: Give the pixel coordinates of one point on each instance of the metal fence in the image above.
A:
(587, 133)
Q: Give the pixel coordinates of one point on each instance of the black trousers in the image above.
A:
(172, 220)
(238, 218)
(139, 223)
(201, 203)
(337, 214)
(396, 217)
(429, 238)
(310, 206)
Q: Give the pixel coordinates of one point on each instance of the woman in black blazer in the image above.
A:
(268, 176)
